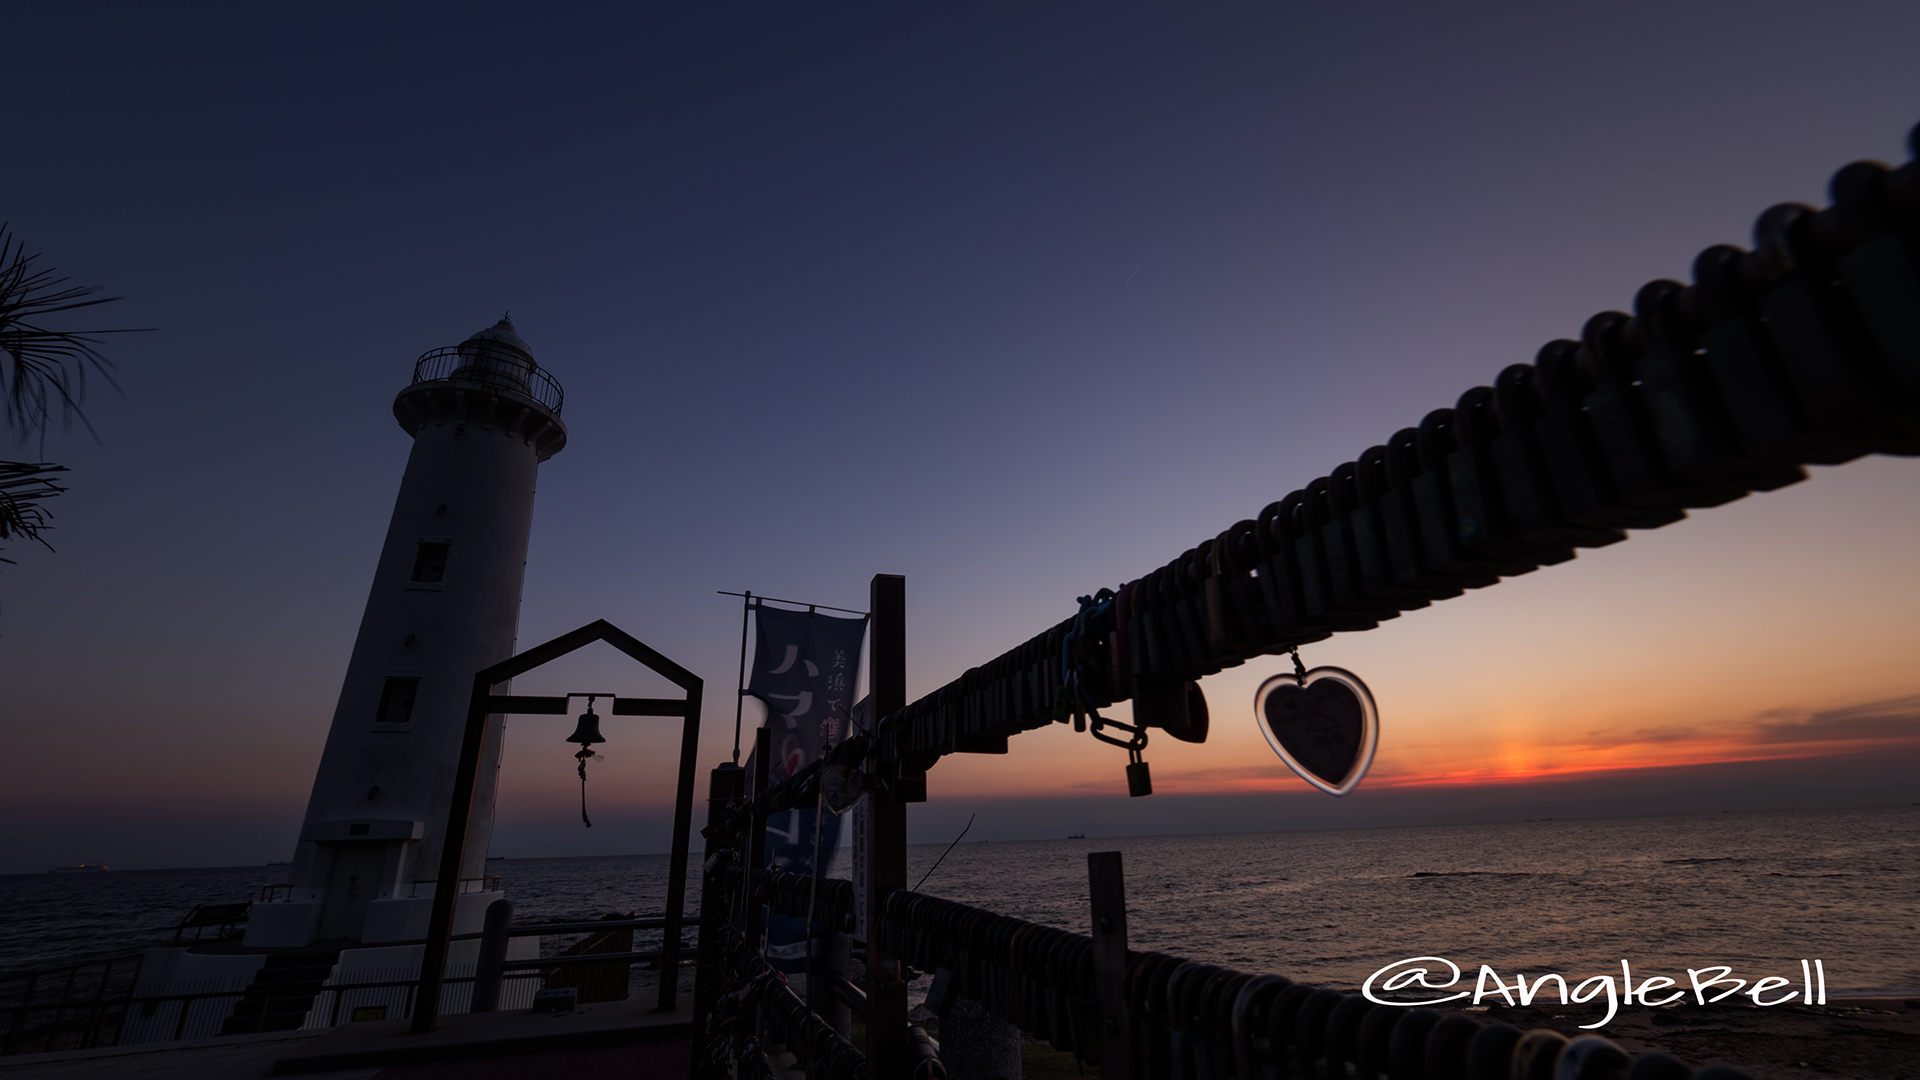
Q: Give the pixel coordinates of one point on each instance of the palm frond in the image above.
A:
(44, 371)
(24, 486)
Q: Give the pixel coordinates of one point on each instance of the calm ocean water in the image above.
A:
(1757, 892)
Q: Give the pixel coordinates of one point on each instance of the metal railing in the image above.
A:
(99, 1003)
(67, 1008)
(492, 366)
(393, 996)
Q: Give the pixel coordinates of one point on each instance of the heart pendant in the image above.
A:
(841, 786)
(1322, 724)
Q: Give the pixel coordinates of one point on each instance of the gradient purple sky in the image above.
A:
(1016, 300)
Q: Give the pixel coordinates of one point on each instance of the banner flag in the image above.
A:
(803, 670)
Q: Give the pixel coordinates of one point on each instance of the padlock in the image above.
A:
(1533, 504)
(1281, 1022)
(1310, 1031)
(1690, 422)
(1842, 388)
(1359, 553)
(1158, 1049)
(1237, 554)
(1623, 428)
(1588, 495)
(1178, 708)
(1407, 1048)
(1308, 568)
(1059, 1017)
(1537, 1053)
(1373, 1056)
(1219, 1007)
(1248, 1023)
(1358, 493)
(1228, 622)
(1196, 994)
(1479, 502)
(1440, 528)
(1178, 636)
(1490, 1054)
(1152, 658)
(1446, 1046)
(1400, 522)
(1880, 271)
(1334, 548)
(1746, 369)
(1139, 780)
(1120, 641)
(1343, 1033)
(1279, 590)
(1190, 606)
(1179, 1058)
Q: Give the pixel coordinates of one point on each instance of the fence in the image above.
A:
(69, 1008)
(103, 1003)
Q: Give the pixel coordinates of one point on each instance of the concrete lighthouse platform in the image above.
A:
(471, 1036)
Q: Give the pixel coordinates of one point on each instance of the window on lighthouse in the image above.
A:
(396, 701)
(431, 563)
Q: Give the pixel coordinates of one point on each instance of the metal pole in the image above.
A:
(453, 852)
(757, 838)
(740, 684)
(888, 1048)
(1107, 890)
(677, 868)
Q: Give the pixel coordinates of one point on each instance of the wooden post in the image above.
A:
(727, 784)
(677, 866)
(887, 1045)
(453, 852)
(1107, 889)
(753, 1016)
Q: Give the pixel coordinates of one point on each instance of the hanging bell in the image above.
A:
(587, 732)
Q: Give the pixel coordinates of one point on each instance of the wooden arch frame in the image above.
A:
(484, 703)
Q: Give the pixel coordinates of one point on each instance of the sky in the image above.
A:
(1015, 300)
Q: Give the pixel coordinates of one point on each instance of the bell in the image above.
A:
(587, 732)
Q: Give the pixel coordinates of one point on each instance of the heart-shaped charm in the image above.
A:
(1323, 724)
(841, 786)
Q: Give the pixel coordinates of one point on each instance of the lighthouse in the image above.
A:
(445, 603)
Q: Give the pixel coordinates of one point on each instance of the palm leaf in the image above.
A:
(44, 370)
(23, 487)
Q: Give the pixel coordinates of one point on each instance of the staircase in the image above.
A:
(281, 993)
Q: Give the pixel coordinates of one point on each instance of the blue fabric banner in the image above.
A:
(803, 670)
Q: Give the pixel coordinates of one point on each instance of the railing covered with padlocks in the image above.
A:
(827, 901)
(1803, 350)
(1191, 1020)
(1187, 1019)
(821, 1050)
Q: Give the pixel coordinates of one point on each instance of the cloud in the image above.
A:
(1600, 740)
(1896, 719)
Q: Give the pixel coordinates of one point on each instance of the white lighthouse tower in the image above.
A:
(445, 603)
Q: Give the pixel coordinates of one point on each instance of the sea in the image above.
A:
(1755, 892)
